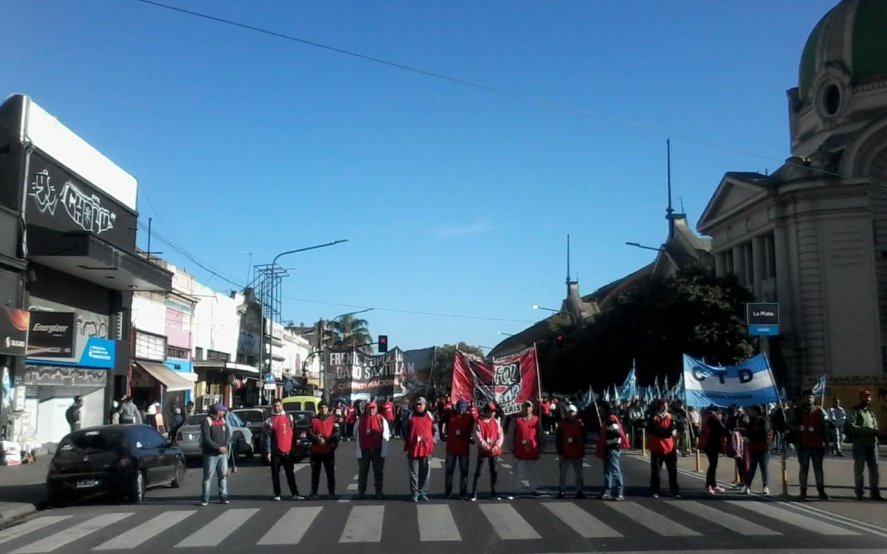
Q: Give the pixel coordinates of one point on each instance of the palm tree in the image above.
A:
(349, 331)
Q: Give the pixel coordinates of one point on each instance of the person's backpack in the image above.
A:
(71, 413)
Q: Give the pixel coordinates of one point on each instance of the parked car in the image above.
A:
(301, 425)
(188, 437)
(301, 403)
(254, 418)
(115, 459)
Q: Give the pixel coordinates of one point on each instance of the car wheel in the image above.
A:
(137, 493)
(180, 475)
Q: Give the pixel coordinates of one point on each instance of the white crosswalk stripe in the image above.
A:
(151, 528)
(290, 528)
(29, 526)
(507, 523)
(364, 524)
(792, 518)
(71, 534)
(651, 520)
(436, 523)
(724, 519)
(586, 525)
(217, 530)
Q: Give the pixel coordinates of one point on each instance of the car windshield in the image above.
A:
(251, 416)
(195, 419)
(300, 415)
(92, 441)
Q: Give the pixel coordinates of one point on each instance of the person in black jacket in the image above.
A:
(711, 439)
(215, 436)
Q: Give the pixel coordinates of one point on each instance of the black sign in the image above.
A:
(13, 331)
(51, 335)
(762, 314)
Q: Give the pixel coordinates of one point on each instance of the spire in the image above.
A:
(569, 281)
(669, 212)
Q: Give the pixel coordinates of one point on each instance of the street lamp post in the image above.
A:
(660, 249)
(570, 314)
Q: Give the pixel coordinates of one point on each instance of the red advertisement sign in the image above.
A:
(508, 381)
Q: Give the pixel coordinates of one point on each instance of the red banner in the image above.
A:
(507, 381)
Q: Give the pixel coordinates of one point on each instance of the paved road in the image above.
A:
(171, 519)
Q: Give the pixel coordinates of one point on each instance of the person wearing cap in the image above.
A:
(371, 445)
(863, 430)
(457, 434)
(808, 421)
(527, 448)
(570, 439)
(610, 443)
(215, 435)
(278, 449)
(661, 428)
(489, 437)
(420, 434)
(324, 435)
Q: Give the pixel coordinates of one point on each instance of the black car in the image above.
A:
(113, 459)
(301, 426)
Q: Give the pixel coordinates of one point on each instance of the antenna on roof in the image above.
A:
(568, 261)
(669, 212)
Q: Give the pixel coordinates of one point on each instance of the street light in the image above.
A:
(504, 334)
(570, 314)
(660, 249)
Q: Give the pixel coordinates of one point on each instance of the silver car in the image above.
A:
(188, 437)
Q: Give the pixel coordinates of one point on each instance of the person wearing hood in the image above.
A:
(457, 434)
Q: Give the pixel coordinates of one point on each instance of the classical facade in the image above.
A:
(812, 236)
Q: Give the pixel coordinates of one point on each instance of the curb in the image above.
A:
(15, 511)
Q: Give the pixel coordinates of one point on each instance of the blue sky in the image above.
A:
(454, 199)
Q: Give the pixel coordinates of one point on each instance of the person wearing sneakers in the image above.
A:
(373, 434)
(324, 434)
(661, 428)
(420, 434)
(570, 440)
(489, 438)
(527, 448)
(610, 443)
(457, 434)
(278, 446)
(215, 435)
(760, 436)
(863, 428)
(808, 420)
(711, 441)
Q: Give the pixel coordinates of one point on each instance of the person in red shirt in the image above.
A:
(610, 443)
(527, 448)
(373, 434)
(324, 434)
(457, 434)
(809, 423)
(387, 410)
(489, 437)
(661, 428)
(420, 434)
(350, 417)
(570, 439)
(278, 449)
(545, 412)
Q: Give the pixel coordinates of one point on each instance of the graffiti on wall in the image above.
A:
(84, 209)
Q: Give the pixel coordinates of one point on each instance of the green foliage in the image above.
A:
(348, 331)
(656, 322)
(444, 357)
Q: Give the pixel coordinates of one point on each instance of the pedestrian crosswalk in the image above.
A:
(179, 529)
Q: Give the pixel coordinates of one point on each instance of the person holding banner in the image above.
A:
(808, 423)
(489, 438)
(420, 434)
(457, 434)
(610, 443)
(570, 438)
(527, 448)
(661, 429)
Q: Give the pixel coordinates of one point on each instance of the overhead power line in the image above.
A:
(412, 312)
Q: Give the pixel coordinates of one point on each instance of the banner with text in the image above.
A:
(745, 384)
(357, 375)
(507, 381)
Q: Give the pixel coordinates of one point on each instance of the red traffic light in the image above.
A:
(560, 340)
(383, 344)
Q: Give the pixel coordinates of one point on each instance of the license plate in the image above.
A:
(87, 483)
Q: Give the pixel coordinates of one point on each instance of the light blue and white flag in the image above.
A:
(615, 396)
(629, 386)
(819, 386)
(745, 384)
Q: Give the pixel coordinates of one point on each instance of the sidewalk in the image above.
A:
(838, 477)
(23, 488)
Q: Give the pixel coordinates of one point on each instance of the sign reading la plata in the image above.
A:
(762, 318)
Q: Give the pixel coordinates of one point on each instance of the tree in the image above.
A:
(444, 358)
(348, 331)
(693, 312)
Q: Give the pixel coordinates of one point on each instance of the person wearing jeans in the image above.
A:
(711, 440)
(611, 441)
(863, 427)
(489, 437)
(372, 446)
(215, 435)
(759, 438)
(420, 434)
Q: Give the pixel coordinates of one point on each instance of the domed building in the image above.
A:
(812, 236)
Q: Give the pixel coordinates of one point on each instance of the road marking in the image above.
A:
(72, 534)
(351, 487)
(364, 524)
(507, 523)
(651, 520)
(436, 523)
(435, 463)
(724, 519)
(218, 529)
(151, 528)
(290, 528)
(785, 516)
(506, 466)
(27, 527)
(848, 521)
(581, 521)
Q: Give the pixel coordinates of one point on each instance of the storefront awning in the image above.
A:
(172, 380)
(230, 367)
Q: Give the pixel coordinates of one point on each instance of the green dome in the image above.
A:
(864, 23)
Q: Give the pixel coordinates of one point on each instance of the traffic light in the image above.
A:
(383, 344)
(560, 340)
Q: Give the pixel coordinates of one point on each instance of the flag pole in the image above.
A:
(538, 376)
